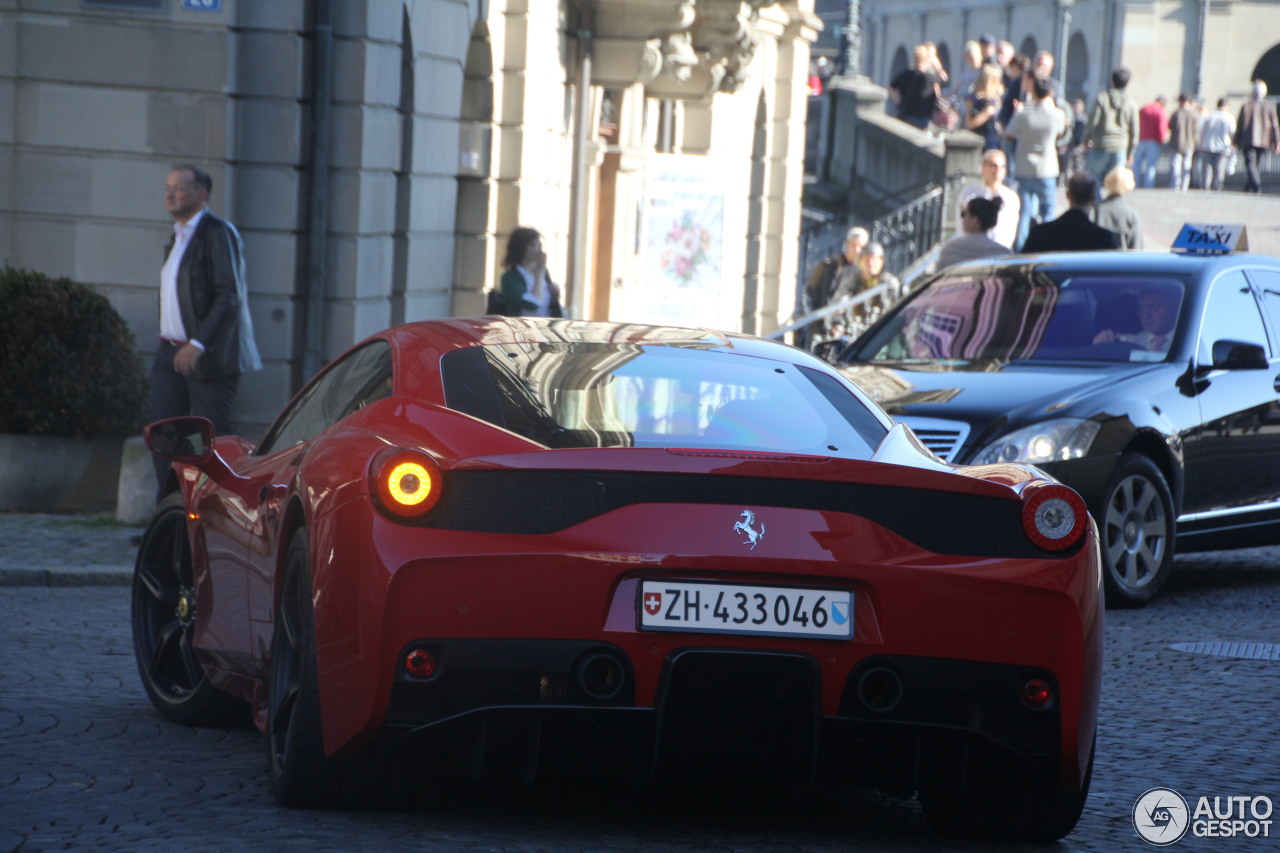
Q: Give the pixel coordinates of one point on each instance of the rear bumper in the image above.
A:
(478, 598)
(526, 709)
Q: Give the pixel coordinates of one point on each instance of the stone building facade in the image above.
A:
(375, 154)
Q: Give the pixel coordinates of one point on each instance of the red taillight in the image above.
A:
(407, 483)
(420, 664)
(1054, 517)
(1037, 694)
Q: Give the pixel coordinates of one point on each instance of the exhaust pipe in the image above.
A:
(880, 689)
(601, 676)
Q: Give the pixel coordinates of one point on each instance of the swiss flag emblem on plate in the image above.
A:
(652, 603)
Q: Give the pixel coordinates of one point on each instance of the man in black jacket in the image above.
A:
(1073, 231)
(206, 334)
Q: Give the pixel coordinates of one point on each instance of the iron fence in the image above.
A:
(907, 232)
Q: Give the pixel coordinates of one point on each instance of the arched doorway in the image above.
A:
(1077, 68)
(1028, 48)
(1268, 70)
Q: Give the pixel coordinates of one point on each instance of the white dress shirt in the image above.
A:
(171, 326)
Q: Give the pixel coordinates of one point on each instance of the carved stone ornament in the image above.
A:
(679, 49)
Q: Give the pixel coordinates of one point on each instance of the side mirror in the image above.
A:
(1238, 355)
(828, 350)
(187, 440)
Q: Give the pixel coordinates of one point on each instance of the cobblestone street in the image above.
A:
(86, 763)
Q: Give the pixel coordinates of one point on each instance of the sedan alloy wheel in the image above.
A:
(1137, 532)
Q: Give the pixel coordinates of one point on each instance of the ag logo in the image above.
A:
(1161, 816)
(652, 603)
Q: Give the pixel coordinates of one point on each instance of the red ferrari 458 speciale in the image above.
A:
(520, 546)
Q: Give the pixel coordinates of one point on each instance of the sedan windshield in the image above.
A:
(628, 395)
(1029, 314)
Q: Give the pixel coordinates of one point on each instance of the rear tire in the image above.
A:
(995, 807)
(301, 774)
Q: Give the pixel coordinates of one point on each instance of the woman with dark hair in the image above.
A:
(976, 219)
(526, 289)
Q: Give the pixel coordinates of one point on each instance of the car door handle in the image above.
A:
(1275, 383)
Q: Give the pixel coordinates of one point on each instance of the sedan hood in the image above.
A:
(989, 394)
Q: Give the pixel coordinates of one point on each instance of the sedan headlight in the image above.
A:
(1051, 441)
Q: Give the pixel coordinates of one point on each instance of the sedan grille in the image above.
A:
(944, 438)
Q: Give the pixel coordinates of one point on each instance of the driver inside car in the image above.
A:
(1157, 314)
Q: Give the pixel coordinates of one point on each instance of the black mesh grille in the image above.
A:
(536, 502)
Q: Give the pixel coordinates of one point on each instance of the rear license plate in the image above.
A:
(718, 608)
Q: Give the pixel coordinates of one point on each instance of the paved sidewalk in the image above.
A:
(65, 550)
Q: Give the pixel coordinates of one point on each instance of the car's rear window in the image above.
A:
(627, 395)
(1031, 314)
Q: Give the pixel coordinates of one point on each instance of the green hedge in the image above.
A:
(67, 360)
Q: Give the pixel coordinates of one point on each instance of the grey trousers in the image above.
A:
(174, 395)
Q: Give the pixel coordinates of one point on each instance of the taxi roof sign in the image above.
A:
(1211, 238)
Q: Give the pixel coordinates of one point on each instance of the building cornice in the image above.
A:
(677, 49)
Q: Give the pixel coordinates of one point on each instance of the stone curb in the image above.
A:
(65, 550)
(103, 576)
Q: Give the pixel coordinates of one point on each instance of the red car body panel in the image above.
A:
(380, 585)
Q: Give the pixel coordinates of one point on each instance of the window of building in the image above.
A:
(125, 5)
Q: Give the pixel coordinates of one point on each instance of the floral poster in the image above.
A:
(680, 274)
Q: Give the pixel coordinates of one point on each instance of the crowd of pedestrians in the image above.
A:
(1034, 142)
(1013, 102)
(994, 82)
(1205, 145)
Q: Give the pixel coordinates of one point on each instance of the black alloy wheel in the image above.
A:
(1137, 529)
(164, 618)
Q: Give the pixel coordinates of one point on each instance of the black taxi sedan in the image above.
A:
(1150, 383)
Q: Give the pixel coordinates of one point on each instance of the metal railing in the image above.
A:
(872, 303)
(911, 230)
(907, 233)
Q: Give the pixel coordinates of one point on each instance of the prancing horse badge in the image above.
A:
(747, 526)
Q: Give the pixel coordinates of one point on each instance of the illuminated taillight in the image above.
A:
(1054, 517)
(407, 483)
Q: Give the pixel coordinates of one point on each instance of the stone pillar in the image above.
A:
(962, 158)
(851, 97)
